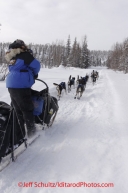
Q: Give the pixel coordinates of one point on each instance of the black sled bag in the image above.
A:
(6, 126)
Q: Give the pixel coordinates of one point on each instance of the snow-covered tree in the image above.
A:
(84, 54)
(68, 51)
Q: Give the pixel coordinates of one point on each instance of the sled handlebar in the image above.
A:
(43, 82)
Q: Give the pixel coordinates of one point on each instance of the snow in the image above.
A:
(88, 141)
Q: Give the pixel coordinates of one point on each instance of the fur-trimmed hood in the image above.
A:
(12, 53)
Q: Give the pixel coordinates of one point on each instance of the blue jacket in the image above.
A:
(22, 72)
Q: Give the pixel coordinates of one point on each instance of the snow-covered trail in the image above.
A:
(87, 142)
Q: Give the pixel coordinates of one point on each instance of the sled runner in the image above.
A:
(6, 160)
(13, 137)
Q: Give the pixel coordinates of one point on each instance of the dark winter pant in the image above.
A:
(21, 100)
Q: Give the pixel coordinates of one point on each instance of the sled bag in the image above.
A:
(38, 103)
(5, 128)
(7, 116)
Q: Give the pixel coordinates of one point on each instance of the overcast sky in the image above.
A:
(104, 22)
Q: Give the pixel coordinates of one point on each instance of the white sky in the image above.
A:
(104, 22)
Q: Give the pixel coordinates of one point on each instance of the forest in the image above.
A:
(75, 54)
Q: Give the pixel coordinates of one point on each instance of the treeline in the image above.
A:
(99, 58)
(55, 54)
(118, 57)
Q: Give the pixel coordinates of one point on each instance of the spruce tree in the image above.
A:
(68, 50)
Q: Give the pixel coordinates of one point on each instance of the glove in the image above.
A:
(36, 76)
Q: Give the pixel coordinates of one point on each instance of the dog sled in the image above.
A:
(13, 134)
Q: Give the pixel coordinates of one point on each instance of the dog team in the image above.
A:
(80, 84)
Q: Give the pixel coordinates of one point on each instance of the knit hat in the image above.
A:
(17, 44)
